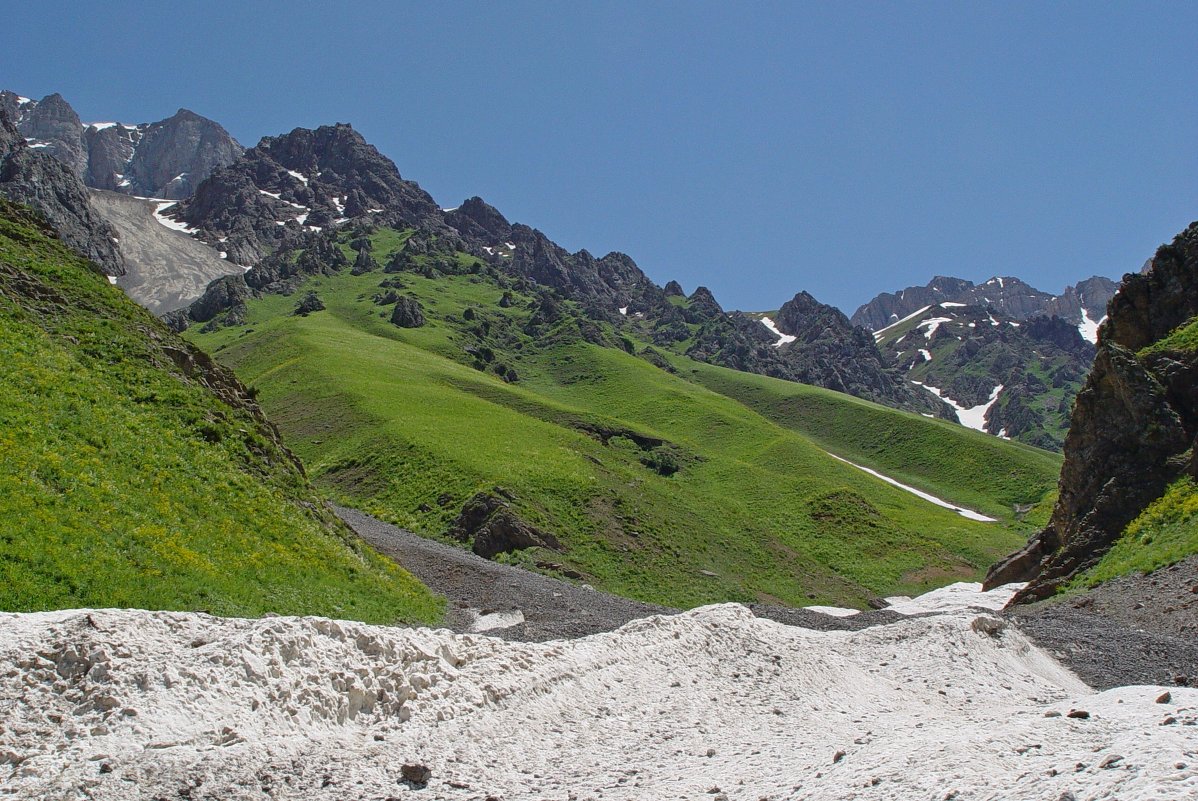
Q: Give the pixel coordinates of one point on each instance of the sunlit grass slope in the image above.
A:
(126, 482)
(409, 423)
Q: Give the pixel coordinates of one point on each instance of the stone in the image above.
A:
(407, 313)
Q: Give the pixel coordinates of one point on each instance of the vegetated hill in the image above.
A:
(165, 159)
(1128, 499)
(289, 191)
(448, 391)
(136, 472)
(1009, 378)
(1083, 305)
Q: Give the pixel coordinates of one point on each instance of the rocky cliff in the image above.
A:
(45, 183)
(165, 159)
(1133, 427)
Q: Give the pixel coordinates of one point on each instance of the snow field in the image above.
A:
(124, 703)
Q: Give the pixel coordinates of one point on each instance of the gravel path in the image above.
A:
(1135, 630)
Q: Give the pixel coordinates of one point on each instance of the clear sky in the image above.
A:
(845, 148)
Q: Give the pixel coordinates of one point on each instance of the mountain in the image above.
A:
(166, 159)
(135, 471)
(1127, 492)
(45, 184)
(1009, 378)
(466, 377)
(1083, 305)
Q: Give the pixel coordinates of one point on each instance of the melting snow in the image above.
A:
(969, 513)
(100, 126)
(112, 279)
(174, 225)
(455, 208)
(339, 204)
(932, 324)
(974, 417)
(881, 332)
(275, 195)
(23, 100)
(1088, 327)
(957, 597)
(298, 176)
(951, 705)
(1012, 323)
(623, 309)
(782, 338)
(302, 218)
(927, 355)
(949, 304)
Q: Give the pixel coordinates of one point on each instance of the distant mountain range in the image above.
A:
(247, 208)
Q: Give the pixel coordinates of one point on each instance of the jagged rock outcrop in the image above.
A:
(1008, 297)
(165, 159)
(303, 182)
(1133, 426)
(46, 184)
(492, 527)
(407, 312)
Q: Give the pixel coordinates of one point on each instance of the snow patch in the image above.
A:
(100, 126)
(973, 417)
(951, 304)
(174, 225)
(112, 279)
(958, 597)
(881, 332)
(275, 195)
(968, 513)
(950, 705)
(298, 176)
(455, 208)
(623, 309)
(1088, 327)
(927, 355)
(782, 338)
(929, 326)
(493, 621)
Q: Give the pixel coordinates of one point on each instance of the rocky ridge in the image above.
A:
(46, 184)
(166, 159)
(1009, 378)
(1133, 427)
(1082, 305)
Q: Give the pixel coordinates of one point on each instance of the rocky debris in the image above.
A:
(364, 262)
(46, 184)
(488, 521)
(477, 219)
(1009, 297)
(416, 774)
(407, 312)
(308, 304)
(1133, 426)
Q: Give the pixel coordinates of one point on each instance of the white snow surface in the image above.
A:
(100, 126)
(881, 332)
(952, 304)
(973, 417)
(782, 338)
(623, 309)
(927, 355)
(967, 513)
(711, 703)
(112, 279)
(298, 176)
(1088, 327)
(959, 597)
(930, 325)
(174, 225)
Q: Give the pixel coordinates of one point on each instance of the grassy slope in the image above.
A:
(123, 483)
(391, 420)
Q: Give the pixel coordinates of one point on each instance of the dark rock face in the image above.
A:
(673, 289)
(174, 155)
(479, 220)
(46, 184)
(407, 313)
(1008, 297)
(489, 521)
(1133, 427)
(165, 159)
(308, 304)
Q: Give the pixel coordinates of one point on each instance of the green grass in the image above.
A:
(126, 483)
(1165, 533)
(409, 423)
(1184, 339)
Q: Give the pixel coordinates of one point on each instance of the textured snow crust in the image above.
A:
(712, 703)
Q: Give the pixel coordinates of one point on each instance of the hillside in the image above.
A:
(135, 472)
(448, 393)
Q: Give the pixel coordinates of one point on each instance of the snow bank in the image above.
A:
(972, 417)
(967, 513)
(881, 332)
(783, 339)
(1088, 327)
(710, 703)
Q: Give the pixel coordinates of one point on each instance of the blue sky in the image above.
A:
(756, 148)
